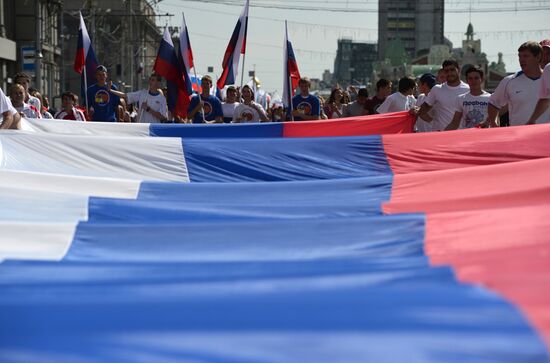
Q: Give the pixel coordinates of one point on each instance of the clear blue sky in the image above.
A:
(314, 31)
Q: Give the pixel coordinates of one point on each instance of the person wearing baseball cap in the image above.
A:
(102, 104)
(545, 44)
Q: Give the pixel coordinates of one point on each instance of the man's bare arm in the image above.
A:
(540, 108)
(455, 123)
(423, 113)
(492, 113)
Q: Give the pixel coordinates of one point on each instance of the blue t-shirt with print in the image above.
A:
(309, 105)
(212, 108)
(103, 102)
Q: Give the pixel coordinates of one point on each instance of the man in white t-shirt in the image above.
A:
(230, 104)
(471, 107)
(544, 96)
(442, 98)
(151, 102)
(520, 91)
(402, 100)
(10, 116)
(425, 84)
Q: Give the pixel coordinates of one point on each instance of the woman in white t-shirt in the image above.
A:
(249, 111)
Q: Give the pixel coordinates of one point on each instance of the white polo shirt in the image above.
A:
(442, 98)
(521, 94)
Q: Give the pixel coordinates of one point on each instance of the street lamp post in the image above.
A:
(38, 47)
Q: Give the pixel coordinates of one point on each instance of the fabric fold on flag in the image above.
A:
(139, 265)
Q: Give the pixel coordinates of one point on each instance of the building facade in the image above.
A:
(124, 35)
(418, 24)
(8, 47)
(353, 63)
(30, 43)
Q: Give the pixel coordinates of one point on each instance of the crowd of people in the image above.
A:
(439, 102)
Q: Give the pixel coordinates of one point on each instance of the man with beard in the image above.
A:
(442, 98)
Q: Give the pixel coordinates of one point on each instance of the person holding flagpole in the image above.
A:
(85, 62)
(305, 106)
(205, 107)
(151, 102)
(102, 104)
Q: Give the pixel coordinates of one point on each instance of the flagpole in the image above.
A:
(244, 40)
(200, 96)
(242, 73)
(86, 88)
(290, 96)
(289, 76)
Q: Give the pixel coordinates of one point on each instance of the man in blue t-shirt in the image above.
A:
(205, 107)
(102, 104)
(305, 107)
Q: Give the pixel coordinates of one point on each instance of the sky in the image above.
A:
(315, 26)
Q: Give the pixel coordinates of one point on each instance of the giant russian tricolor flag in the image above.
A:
(382, 248)
(85, 61)
(390, 123)
(236, 47)
(169, 66)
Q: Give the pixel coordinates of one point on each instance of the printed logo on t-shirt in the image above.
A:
(304, 108)
(207, 108)
(102, 98)
(474, 118)
(247, 115)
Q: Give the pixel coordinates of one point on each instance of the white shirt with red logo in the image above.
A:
(245, 113)
(75, 115)
(29, 111)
